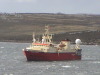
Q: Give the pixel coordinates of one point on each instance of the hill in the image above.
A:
(20, 26)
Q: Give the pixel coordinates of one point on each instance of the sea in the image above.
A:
(13, 62)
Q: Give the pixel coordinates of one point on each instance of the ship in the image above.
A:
(47, 50)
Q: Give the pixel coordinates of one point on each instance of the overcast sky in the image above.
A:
(51, 6)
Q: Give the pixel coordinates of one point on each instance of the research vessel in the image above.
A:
(47, 50)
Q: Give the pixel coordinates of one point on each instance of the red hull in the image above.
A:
(41, 56)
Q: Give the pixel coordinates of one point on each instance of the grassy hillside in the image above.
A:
(20, 26)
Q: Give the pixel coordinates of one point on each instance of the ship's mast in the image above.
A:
(34, 40)
(47, 38)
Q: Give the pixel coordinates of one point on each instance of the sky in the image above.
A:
(50, 6)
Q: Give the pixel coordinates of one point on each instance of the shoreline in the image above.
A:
(87, 37)
(17, 41)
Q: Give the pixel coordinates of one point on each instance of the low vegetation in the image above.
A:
(20, 26)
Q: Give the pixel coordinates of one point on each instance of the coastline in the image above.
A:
(87, 38)
(16, 41)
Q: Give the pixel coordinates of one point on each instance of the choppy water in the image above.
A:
(13, 62)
